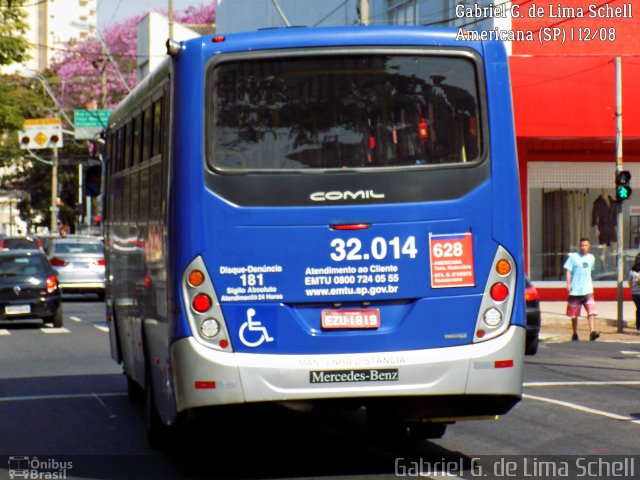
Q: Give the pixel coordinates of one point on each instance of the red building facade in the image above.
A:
(564, 90)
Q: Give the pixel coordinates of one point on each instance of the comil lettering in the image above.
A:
(346, 195)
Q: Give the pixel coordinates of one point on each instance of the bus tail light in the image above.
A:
(196, 278)
(497, 302)
(499, 292)
(202, 307)
(503, 267)
(201, 303)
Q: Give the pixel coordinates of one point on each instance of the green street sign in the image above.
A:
(89, 123)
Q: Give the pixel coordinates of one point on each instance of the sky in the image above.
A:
(112, 11)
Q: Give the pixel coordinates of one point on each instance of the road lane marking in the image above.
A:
(581, 408)
(580, 384)
(75, 319)
(4, 331)
(27, 398)
(103, 327)
(635, 353)
(55, 330)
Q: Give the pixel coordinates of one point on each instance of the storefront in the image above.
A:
(566, 127)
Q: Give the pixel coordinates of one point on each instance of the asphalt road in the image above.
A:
(64, 410)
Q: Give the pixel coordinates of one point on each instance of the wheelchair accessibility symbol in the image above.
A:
(252, 332)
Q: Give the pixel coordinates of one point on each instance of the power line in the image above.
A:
(331, 13)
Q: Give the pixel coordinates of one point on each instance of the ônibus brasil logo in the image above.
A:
(38, 469)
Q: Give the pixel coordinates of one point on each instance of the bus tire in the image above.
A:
(158, 434)
(135, 392)
(426, 430)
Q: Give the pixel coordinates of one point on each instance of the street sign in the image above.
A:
(39, 133)
(89, 123)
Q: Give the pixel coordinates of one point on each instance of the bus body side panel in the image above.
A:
(506, 222)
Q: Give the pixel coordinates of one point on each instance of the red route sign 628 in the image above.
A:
(451, 258)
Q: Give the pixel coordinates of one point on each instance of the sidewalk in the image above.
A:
(556, 326)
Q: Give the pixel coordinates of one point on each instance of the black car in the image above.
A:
(20, 243)
(28, 287)
(532, 299)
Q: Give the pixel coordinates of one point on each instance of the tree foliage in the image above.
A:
(76, 78)
(13, 45)
(85, 72)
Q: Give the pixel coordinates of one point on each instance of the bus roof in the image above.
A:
(337, 36)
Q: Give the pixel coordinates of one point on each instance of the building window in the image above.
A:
(402, 12)
(455, 20)
(564, 206)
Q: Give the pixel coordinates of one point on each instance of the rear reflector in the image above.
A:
(503, 364)
(204, 384)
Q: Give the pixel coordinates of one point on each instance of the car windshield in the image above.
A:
(28, 265)
(18, 243)
(78, 248)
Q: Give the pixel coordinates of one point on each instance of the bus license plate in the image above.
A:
(17, 309)
(352, 319)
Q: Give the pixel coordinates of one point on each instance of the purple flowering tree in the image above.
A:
(83, 73)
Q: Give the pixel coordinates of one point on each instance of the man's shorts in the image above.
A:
(575, 303)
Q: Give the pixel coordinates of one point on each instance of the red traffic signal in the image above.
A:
(623, 178)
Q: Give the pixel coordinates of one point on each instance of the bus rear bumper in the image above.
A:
(490, 370)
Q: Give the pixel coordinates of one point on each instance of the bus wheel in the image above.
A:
(424, 430)
(135, 392)
(158, 434)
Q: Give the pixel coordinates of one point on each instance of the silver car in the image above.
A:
(79, 264)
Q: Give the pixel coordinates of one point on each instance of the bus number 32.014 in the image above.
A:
(379, 249)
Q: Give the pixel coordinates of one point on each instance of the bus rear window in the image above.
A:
(342, 112)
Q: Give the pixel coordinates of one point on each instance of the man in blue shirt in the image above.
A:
(580, 287)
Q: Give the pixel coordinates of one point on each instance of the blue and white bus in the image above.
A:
(312, 215)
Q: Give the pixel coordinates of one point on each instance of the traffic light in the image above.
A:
(623, 188)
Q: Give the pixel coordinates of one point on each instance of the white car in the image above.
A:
(79, 264)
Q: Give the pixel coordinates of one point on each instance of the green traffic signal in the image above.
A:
(623, 193)
(623, 190)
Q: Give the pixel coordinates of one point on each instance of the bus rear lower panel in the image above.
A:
(484, 378)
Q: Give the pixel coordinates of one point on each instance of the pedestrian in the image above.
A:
(634, 284)
(579, 266)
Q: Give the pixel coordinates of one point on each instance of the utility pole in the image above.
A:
(54, 192)
(620, 218)
(170, 19)
(365, 16)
